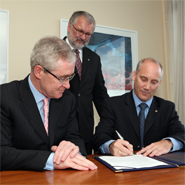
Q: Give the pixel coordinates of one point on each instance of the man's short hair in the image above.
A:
(48, 50)
(90, 19)
(151, 60)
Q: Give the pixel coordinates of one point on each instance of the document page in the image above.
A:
(134, 161)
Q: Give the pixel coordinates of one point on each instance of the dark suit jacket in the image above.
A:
(119, 113)
(90, 89)
(24, 142)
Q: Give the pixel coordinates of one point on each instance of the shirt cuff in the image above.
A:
(177, 145)
(104, 148)
(49, 163)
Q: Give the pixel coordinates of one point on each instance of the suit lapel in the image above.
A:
(153, 112)
(30, 110)
(55, 111)
(131, 112)
(86, 61)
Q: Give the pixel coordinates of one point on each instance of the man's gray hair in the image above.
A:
(151, 60)
(48, 50)
(90, 19)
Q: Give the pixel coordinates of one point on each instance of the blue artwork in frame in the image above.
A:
(116, 58)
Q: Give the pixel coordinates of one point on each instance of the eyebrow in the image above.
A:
(151, 80)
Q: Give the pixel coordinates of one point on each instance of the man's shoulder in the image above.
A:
(162, 101)
(15, 89)
(89, 51)
(119, 98)
(10, 86)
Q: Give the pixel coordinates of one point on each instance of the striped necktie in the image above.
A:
(78, 63)
(143, 106)
(46, 110)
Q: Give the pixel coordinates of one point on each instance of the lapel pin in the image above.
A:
(156, 110)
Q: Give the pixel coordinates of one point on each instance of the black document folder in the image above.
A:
(177, 158)
(171, 160)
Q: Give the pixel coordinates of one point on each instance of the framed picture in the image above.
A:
(4, 43)
(118, 50)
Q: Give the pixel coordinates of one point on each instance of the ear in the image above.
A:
(38, 70)
(160, 82)
(68, 27)
(133, 76)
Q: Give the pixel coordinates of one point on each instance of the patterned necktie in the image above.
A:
(78, 63)
(143, 106)
(46, 110)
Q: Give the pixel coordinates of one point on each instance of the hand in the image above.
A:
(121, 148)
(78, 162)
(157, 148)
(63, 150)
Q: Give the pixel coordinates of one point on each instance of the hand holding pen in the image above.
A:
(119, 135)
(121, 147)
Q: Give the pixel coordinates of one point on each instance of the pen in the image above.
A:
(119, 135)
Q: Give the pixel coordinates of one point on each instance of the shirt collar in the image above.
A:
(37, 95)
(138, 101)
(67, 41)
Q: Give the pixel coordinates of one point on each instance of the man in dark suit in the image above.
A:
(31, 137)
(87, 87)
(163, 132)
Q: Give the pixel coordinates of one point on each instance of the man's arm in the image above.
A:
(161, 147)
(14, 157)
(77, 161)
(105, 128)
(175, 139)
(99, 90)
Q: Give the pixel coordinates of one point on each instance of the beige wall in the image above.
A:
(31, 20)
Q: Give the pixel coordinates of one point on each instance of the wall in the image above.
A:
(31, 20)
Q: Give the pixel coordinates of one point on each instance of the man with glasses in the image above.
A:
(88, 83)
(38, 127)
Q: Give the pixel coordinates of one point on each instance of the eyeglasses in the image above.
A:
(62, 80)
(81, 32)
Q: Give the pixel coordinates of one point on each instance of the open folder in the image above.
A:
(138, 162)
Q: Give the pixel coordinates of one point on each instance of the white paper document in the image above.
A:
(134, 161)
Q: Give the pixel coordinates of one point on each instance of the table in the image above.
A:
(102, 175)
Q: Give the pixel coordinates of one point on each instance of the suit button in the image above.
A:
(78, 94)
(138, 146)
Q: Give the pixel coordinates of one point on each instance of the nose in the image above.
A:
(66, 84)
(147, 85)
(83, 36)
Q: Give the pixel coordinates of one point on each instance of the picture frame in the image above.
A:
(4, 49)
(118, 50)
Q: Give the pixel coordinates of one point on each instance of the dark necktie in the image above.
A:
(143, 106)
(78, 63)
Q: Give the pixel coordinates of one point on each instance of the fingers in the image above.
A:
(157, 148)
(79, 159)
(121, 148)
(150, 151)
(78, 162)
(53, 148)
(64, 149)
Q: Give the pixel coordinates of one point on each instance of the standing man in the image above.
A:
(88, 83)
(38, 126)
(146, 122)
